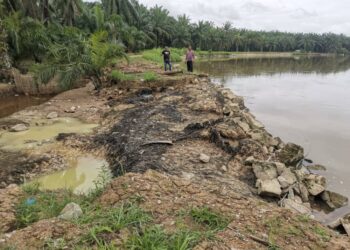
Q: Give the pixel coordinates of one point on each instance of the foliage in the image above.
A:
(118, 76)
(79, 58)
(155, 55)
(209, 218)
(40, 205)
(150, 76)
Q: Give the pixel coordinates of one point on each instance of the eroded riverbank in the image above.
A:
(182, 143)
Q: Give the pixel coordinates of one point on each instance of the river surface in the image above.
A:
(302, 100)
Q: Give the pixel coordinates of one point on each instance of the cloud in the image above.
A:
(285, 15)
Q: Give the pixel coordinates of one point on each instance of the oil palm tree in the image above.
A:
(124, 8)
(68, 10)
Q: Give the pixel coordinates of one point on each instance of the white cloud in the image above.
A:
(284, 15)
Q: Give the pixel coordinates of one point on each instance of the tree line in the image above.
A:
(64, 30)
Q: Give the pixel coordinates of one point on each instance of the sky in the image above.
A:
(317, 16)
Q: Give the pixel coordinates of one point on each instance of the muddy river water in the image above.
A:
(302, 100)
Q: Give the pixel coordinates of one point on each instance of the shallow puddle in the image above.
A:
(79, 177)
(42, 131)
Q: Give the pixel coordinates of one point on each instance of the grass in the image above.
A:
(37, 205)
(155, 55)
(322, 233)
(119, 76)
(150, 76)
(209, 218)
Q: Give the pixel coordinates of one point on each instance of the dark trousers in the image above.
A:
(190, 66)
(166, 64)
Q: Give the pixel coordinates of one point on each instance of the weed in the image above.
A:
(121, 76)
(183, 240)
(150, 76)
(42, 205)
(205, 216)
(31, 188)
(322, 233)
(103, 178)
(55, 244)
(137, 198)
(303, 218)
(155, 55)
(153, 238)
(294, 231)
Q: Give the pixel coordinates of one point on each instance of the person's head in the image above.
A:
(189, 47)
(166, 48)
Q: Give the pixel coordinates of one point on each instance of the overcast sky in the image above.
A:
(285, 15)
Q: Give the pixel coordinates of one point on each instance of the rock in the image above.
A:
(296, 207)
(287, 178)
(19, 128)
(224, 168)
(70, 212)
(269, 188)
(315, 184)
(252, 121)
(316, 167)
(291, 154)
(334, 200)
(204, 158)
(249, 161)
(52, 115)
(71, 110)
(265, 170)
(304, 193)
(346, 224)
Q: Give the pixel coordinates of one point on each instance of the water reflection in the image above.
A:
(79, 177)
(12, 104)
(303, 100)
(272, 66)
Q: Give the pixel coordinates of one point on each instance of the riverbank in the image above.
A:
(189, 158)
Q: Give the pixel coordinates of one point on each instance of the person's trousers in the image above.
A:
(166, 65)
(190, 66)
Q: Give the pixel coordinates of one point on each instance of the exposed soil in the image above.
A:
(152, 135)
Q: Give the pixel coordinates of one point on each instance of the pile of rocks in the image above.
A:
(294, 184)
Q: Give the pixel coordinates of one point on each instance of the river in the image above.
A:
(305, 100)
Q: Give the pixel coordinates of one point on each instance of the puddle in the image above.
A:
(79, 177)
(39, 134)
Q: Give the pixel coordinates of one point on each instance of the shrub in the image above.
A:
(150, 76)
(155, 55)
(118, 76)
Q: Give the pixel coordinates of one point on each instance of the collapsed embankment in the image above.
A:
(181, 144)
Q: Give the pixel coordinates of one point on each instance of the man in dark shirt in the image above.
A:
(166, 57)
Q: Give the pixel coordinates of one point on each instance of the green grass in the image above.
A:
(322, 233)
(47, 204)
(150, 76)
(155, 238)
(119, 76)
(209, 218)
(155, 55)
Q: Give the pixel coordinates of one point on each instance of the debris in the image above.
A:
(19, 128)
(204, 158)
(70, 212)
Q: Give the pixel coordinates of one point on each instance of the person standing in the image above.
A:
(190, 59)
(166, 57)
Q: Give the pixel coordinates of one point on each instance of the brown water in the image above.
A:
(80, 177)
(39, 134)
(302, 100)
(12, 104)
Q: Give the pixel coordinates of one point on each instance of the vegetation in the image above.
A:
(209, 218)
(73, 38)
(150, 76)
(119, 76)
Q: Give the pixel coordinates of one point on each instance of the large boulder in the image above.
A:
(287, 178)
(334, 200)
(315, 184)
(291, 154)
(269, 188)
(265, 170)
